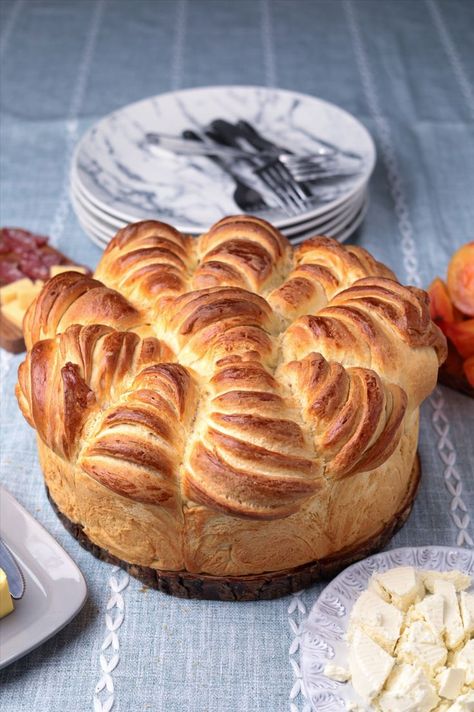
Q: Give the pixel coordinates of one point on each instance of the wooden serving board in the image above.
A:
(11, 337)
(36, 254)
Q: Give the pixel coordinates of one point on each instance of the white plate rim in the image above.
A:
(340, 230)
(277, 222)
(322, 631)
(116, 224)
(71, 604)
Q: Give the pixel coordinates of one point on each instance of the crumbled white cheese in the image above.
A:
(464, 658)
(459, 580)
(402, 586)
(467, 611)
(431, 609)
(454, 634)
(408, 690)
(354, 707)
(408, 650)
(465, 703)
(337, 673)
(419, 645)
(369, 665)
(451, 681)
(380, 620)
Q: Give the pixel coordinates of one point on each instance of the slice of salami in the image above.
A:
(9, 272)
(32, 266)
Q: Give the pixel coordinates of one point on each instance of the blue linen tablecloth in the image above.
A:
(406, 70)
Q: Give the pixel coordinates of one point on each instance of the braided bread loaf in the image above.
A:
(228, 405)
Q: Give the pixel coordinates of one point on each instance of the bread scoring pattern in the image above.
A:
(231, 370)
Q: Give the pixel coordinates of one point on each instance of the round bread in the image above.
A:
(228, 406)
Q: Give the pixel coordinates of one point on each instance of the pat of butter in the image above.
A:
(401, 586)
(452, 616)
(379, 620)
(369, 666)
(450, 682)
(6, 603)
(408, 690)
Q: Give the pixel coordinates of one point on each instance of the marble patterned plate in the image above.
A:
(343, 232)
(111, 222)
(118, 173)
(322, 639)
(339, 227)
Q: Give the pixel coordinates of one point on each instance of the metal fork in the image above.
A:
(283, 185)
(287, 193)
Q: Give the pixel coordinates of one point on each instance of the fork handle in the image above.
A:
(257, 140)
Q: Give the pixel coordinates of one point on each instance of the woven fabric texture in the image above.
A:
(405, 69)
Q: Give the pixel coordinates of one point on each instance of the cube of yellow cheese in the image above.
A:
(6, 603)
(11, 292)
(59, 269)
(14, 313)
(27, 296)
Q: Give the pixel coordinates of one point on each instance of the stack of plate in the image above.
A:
(118, 177)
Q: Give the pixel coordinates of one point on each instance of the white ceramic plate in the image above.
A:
(323, 632)
(340, 228)
(119, 174)
(111, 224)
(342, 233)
(55, 588)
(323, 227)
(330, 226)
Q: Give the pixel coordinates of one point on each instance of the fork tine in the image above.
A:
(283, 198)
(288, 185)
(288, 179)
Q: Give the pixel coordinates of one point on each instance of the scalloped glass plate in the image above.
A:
(324, 630)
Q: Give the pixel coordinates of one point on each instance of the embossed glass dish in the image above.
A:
(322, 639)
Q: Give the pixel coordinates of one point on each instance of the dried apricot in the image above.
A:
(441, 306)
(461, 279)
(468, 367)
(462, 336)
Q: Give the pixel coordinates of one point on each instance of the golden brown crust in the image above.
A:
(228, 384)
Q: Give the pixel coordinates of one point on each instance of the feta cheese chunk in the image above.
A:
(379, 620)
(451, 681)
(431, 609)
(459, 580)
(337, 673)
(419, 645)
(408, 690)
(465, 703)
(369, 665)
(401, 585)
(467, 612)
(464, 658)
(454, 634)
